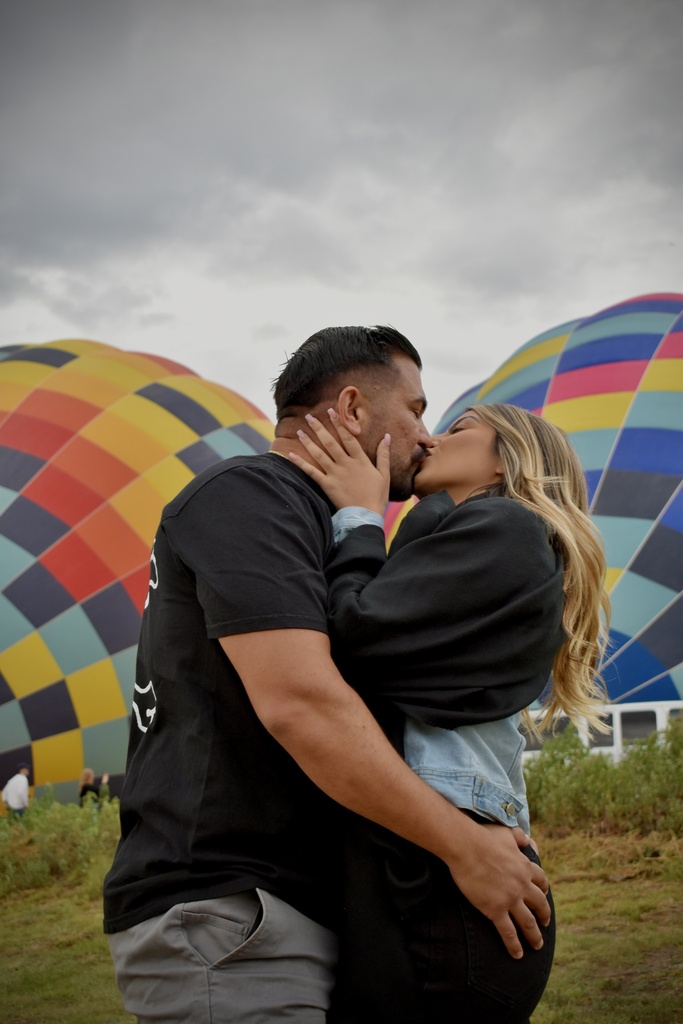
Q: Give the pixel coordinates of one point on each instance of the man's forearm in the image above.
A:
(340, 746)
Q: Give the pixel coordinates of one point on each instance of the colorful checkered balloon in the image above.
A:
(614, 382)
(93, 442)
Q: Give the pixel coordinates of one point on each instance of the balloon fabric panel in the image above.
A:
(77, 567)
(60, 494)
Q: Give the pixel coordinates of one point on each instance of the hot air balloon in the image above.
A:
(614, 382)
(93, 442)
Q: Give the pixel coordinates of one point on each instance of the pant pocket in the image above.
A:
(216, 929)
(493, 972)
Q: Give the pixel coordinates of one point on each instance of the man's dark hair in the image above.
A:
(308, 375)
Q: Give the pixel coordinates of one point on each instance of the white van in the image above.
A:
(628, 722)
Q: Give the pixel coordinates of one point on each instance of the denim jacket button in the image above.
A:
(510, 809)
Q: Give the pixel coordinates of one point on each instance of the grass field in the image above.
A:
(619, 956)
(610, 837)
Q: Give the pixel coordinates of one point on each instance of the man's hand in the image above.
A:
(522, 840)
(503, 884)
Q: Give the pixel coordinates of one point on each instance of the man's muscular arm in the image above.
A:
(323, 724)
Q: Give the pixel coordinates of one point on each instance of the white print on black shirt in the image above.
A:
(150, 711)
(153, 576)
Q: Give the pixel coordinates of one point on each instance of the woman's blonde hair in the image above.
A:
(87, 777)
(543, 472)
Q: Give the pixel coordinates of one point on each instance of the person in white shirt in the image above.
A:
(15, 793)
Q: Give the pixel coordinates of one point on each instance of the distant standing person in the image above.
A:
(87, 785)
(15, 793)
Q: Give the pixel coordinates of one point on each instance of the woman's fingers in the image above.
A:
(325, 447)
(383, 461)
(316, 448)
(341, 467)
(309, 468)
(323, 437)
(345, 444)
(350, 443)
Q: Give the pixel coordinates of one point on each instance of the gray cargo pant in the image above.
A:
(243, 959)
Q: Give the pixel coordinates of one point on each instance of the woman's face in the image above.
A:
(462, 461)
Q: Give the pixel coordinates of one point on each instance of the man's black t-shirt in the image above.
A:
(212, 804)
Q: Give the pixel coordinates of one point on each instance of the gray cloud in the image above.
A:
(487, 151)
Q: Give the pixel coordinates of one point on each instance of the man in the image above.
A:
(15, 794)
(220, 903)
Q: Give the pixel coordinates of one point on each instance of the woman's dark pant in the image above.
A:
(463, 972)
(440, 962)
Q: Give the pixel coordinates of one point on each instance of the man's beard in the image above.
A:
(402, 485)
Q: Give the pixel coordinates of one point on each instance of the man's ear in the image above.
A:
(351, 406)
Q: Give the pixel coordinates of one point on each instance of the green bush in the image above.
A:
(54, 840)
(570, 787)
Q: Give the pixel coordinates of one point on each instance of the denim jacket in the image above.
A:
(476, 767)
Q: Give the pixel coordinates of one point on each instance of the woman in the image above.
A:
(495, 581)
(87, 786)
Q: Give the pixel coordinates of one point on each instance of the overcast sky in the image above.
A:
(214, 180)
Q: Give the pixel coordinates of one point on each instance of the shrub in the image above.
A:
(572, 788)
(54, 840)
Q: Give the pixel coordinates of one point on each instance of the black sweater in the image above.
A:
(460, 623)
